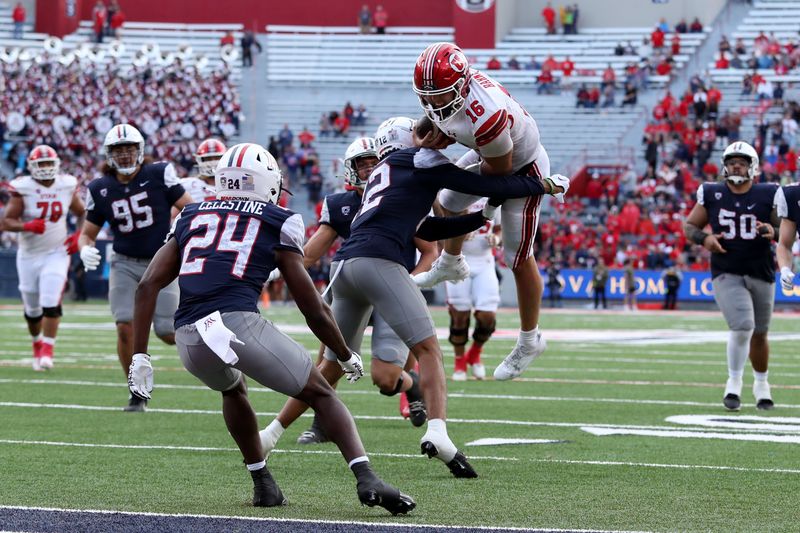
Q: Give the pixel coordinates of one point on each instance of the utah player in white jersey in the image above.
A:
(201, 188)
(38, 209)
(481, 292)
(472, 109)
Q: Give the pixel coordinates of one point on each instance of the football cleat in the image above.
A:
(266, 492)
(378, 492)
(455, 269)
(763, 396)
(37, 364)
(416, 405)
(518, 360)
(458, 465)
(733, 394)
(312, 435)
(478, 371)
(135, 405)
(459, 375)
(46, 362)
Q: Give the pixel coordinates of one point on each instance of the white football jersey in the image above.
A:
(50, 203)
(493, 123)
(199, 190)
(476, 244)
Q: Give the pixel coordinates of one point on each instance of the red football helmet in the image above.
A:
(43, 154)
(208, 153)
(442, 68)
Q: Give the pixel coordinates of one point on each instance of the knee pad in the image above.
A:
(396, 389)
(52, 312)
(483, 331)
(33, 319)
(458, 336)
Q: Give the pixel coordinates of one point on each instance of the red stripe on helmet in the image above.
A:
(241, 155)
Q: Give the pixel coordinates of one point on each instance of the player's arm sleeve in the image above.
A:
(781, 206)
(293, 234)
(174, 188)
(325, 214)
(492, 136)
(437, 228)
(93, 213)
(449, 176)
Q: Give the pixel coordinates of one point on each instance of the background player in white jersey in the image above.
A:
(470, 108)
(38, 209)
(480, 291)
(201, 188)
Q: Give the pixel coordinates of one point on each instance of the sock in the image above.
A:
(738, 350)
(527, 338)
(49, 340)
(474, 354)
(275, 429)
(760, 376)
(358, 461)
(37, 337)
(448, 259)
(438, 425)
(461, 363)
(256, 466)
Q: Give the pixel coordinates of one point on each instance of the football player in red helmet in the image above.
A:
(470, 108)
(37, 210)
(208, 154)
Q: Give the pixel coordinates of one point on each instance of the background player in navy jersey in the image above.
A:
(787, 204)
(742, 220)
(222, 253)
(370, 268)
(135, 200)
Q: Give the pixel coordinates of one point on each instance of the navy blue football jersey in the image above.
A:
(734, 216)
(338, 211)
(138, 212)
(787, 202)
(399, 195)
(227, 250)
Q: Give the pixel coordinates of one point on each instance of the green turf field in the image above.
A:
(65, 443)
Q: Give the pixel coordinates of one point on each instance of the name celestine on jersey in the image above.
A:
(245, 206)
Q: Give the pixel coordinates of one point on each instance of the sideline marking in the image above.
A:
(495, 441)
(685, 434)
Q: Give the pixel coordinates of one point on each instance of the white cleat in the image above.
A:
(763, 395)
(478, 371)
(37, 364)
(46, 363)
(459, 375)
(449, 268)
(518, 360)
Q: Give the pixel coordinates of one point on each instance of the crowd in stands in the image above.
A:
(369, 20)
(338, 123)
(299, 161)
(72, 107)
(767, 52)
(567, 16)
(107, 18)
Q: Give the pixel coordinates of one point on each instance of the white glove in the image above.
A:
(353, 367)
(140, 376)
(557, 180)
(90, 257)
(787, 279)
(489, 210)
(275, 274)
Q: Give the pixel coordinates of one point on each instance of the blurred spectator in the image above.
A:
(546, 82)
(675, 44)
(681, 27)
(582, 97)
(533, 64)
(662, 25)
(227, 39)
(116, 21)
(305, 137)
(18, 17)
(550, 63)
(360, 116)
(619, 50)
(599, 282)
(248, 42)
(631, 93)
(568, 20)
(645, 49)
(630, 286)
(285, 137)
(493, 64)
(608, 96)
(672, 283)
(575, 13)
(380, 19)
(657, 38)
(365, 19)
(99, 17)
(609, 77)
(341, 126)
(696, 27)
(567, 66)
(513, 64)
(549, 16)
(722, 62)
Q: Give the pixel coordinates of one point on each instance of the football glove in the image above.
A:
(90, 257)
(491, 207)
(787, 279)
(72, 243)
(275, 274)
(37, 226)
(140, 376)
(353, 368)
(557, 180)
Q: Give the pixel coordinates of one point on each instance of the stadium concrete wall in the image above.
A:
(607, 13)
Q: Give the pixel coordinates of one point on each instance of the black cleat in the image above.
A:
(312, 435)
(135, 405)
(765, 404)
(266, 492)
(416, 406)
(458, 465)
(732, 402)
(378, 492)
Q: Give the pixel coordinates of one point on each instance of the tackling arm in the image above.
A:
(318, 244)
(316, 312)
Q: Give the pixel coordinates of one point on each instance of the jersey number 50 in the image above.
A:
(747, 225)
